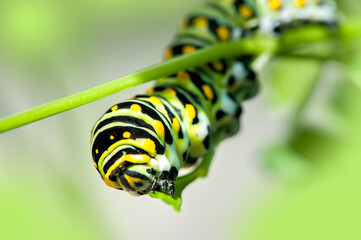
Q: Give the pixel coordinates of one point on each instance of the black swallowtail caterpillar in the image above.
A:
(140, 145)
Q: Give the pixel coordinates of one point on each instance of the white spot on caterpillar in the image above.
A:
(237, 33)
(163, 163)
(239, 71)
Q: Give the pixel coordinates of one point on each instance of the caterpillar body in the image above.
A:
(140, 145)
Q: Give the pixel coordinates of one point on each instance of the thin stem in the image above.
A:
(254, 46)
(302, 107)
(227, 50)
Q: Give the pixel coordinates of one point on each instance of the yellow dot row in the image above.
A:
(277, 4)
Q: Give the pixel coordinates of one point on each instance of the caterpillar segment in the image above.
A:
(280, 15)
(133, 146)
(141, 144)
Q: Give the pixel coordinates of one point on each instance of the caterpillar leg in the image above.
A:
(165, 183)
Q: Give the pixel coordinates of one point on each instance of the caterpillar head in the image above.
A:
(133, 170)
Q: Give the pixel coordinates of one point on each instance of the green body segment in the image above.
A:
(140, 145)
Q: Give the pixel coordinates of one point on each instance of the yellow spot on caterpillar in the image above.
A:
(114, 108)
(275, 4)
(156, 100)
(150, 90)
(218, 65)
(135, 158)
(200, 22)
(300, 3)
(171, 91)
(168, 54)
(130, 181)
(188, 49)
(149, 145)
(159, 128)
(135, 108)
(223, 33)
(96, 151)
(126, 134)
(245, 11)
(176, 124)
(95, 165)
(146, 158)
(191, 111)
(107, 174)
(183, 74)
(111, 137)
(208, 91)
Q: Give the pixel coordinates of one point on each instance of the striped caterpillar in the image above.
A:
(140, 145)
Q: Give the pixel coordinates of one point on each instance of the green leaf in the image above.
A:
(200, 171)
(176, 202)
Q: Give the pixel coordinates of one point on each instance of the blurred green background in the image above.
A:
(292, 173)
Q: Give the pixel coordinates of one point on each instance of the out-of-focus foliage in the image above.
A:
(318, 198)
(325, 203)
(32, 209)
(291, 79)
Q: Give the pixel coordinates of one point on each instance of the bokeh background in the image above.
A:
(293, 172)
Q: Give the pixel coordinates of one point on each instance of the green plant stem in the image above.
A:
(254, 46)
(228, 50)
